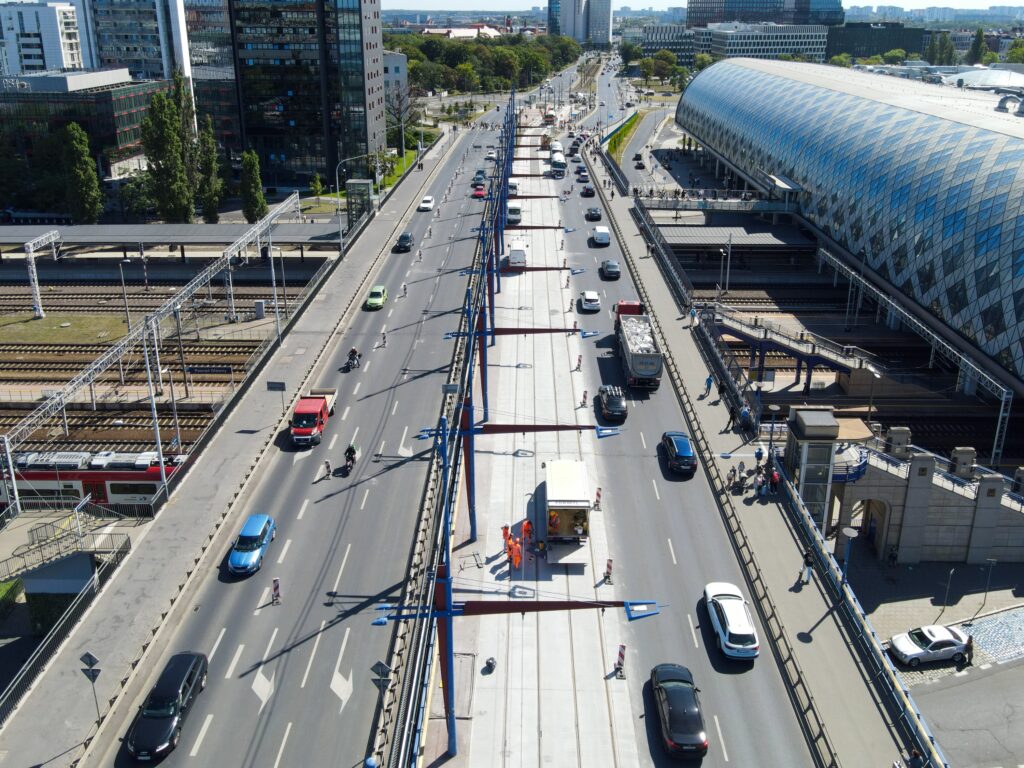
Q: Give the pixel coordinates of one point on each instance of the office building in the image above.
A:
(311, 86)
(35, 37)
(700, 13)
(676, 14)
(828, 12)
(108, 104)
(919, 183)
(146, 36)
(554, 17)
(862, 40)
(669, 37)
(762, 41)
(574, 19)
(211, 55)
(396, 72)
(599, 23)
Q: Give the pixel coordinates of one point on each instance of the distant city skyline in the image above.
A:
(511, 6)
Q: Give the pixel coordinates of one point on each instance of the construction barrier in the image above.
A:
(620, 664)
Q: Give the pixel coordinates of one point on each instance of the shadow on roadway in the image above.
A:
(423, 455)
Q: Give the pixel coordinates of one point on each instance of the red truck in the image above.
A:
(311, 414)
(641, 358)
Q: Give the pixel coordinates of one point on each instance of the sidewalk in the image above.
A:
(860, 730)
(58, 715)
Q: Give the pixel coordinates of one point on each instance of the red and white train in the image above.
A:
(110, 478)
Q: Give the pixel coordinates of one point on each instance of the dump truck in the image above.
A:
(567, 504)
(311, 415)
(642, 360)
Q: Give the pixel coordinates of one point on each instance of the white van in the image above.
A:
(513, 188)
(517, 254)
(515, 213)
(600, 236)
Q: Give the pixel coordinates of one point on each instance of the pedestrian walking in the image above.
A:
(758, 455)
(916, 759)
(383, 338)
(707, 384)
(693, 316)
(721, 389)
(517, 554)
(527, 532)
(970, 649)
(327, 470)
(504, 534)
(762, 484)
(732, 417)
(275, 591)
(805, 575)
(742, 469)
(731, 477)
(775, 481)
(405, 290)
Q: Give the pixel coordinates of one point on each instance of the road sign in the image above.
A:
(209, 369)
(276, 386)
(92, 674)
(89, 660)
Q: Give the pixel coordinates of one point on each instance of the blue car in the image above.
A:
(252, 542)
(679, 452)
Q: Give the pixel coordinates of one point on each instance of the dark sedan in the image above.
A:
(610, 269)
(587, 191)
(679, 452)
(613, 402)
(405, 242)
(682, 724)
(156, 729)
(593, 214)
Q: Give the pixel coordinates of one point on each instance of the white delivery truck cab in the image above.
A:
(517, 254)
(601, 236)
(515, 212)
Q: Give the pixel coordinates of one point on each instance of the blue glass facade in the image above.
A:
(933, 204)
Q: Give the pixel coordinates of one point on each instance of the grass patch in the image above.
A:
(9, 590)
(617, 143)
(400, 165)
(81, 329)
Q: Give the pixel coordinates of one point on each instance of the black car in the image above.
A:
(613, 402)
(405, 242)
(679, 452)
(156, 730)
(610, 269)
(682, 724)
(637, 156)
(587, 191)
(593, 214)
(639, 165)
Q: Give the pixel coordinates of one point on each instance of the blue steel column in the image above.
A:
(446, 619)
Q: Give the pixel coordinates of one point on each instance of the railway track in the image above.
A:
(211, 348)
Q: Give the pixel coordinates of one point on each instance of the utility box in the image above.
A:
(899, 442)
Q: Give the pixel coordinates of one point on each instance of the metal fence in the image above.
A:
(112, 556)
(678, 281)
(53, 549)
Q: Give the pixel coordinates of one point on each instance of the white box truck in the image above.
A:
(567, 503)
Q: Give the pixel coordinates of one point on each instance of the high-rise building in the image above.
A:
(211, 53)
(146, 36)
(311, 85)
(675, 38)
(700, 13)
(574, 19)
(828, 12)
(554, 17)
(768, 41)
(862, 40)
(599, 23)
(396, 72)
(35, 37)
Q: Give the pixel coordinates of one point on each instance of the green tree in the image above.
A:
(630, 52)
(977, 49)
(895, 56)
(842, 60)
(187, 115)
(135, 198)
(702, 61)
(989, 58)
(211, 186)
(506, 64)
(871, 61)
(84, 198)
(254, 205)
(1016, 53)
(931, 53)
(666, 56)
(161, 140)
(662, 70)
(466, 77)
(316, 186)
(947, 52)
(647, 69)
(680, 77)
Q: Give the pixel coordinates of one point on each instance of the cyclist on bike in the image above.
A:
(350, 454)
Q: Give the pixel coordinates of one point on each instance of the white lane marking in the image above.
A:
(720, 739)
(407, 272)
(656, 494)
(234, 661)
(367, 366)
(216, 643)
(356, 390)
(202, 733)
(263, 686)
(316, 644)
(262, 601)
(383, 329)
(365, 495)
(380, 451)
(394, 408)
(284, 551)
(287, 730)
(341, 685)
(642, 441)
(302, 509)
(672, 551)
(333, 441)
(402, 450)
(693, 631)
(299, 456)
(344, 414)
(344, 559)
(390, 311)
(354, 435)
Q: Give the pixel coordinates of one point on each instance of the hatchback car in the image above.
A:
(610, 269)
(590, 301)
(731, 620)
(931, 643)
(405, 242)
(613, 402)
(593, 214)
(426, 204)
(679, 452)
(479, 193)
(583, 177)
(479, 183)
(492, 155)
(377, 297)
(156, 729)
(682, 722)
(587, 191)
(251, 545)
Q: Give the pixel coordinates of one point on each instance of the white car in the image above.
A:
(601, 104)
(931, 643)
(492, 155)
(731, 620)
(426, 204)
(590, 301)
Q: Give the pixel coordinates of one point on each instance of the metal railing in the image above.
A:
(114, 554)
(678, 281)
(54, 549)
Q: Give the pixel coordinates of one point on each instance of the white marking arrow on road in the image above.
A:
(262, 686)
(341, 685)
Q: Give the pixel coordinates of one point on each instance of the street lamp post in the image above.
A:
(988, 580)
(774, 409)
(850, 533)
(124, 293)
(871, 399)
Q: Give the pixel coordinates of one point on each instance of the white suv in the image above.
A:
(731, 620)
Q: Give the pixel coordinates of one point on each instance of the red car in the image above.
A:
(479, 193)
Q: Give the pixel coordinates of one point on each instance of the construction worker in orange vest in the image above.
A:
(527, 532)
(504, 533)
(517, 553)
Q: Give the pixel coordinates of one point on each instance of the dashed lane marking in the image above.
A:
(284, 551)
(202, 734)
(231, 667)
(302, 509)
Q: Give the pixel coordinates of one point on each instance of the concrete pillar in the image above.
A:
(899, 442)
(916, 507)
(986, 531)
(1018, 480)
(799, 368)
(964, 460)
(181, 250)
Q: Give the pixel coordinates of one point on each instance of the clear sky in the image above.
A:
(659, 5)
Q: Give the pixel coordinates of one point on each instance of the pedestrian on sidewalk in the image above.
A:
(805, 576)
(970, 649)
(775, 481)
(405, 290)
(731, 477)
(732, 418)
(693, 316)
(916, 759)
(517, 553)
(707, 384)
(721, 389)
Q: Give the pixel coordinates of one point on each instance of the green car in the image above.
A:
(378, 296)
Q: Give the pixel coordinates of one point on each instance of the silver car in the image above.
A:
(931, 643)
